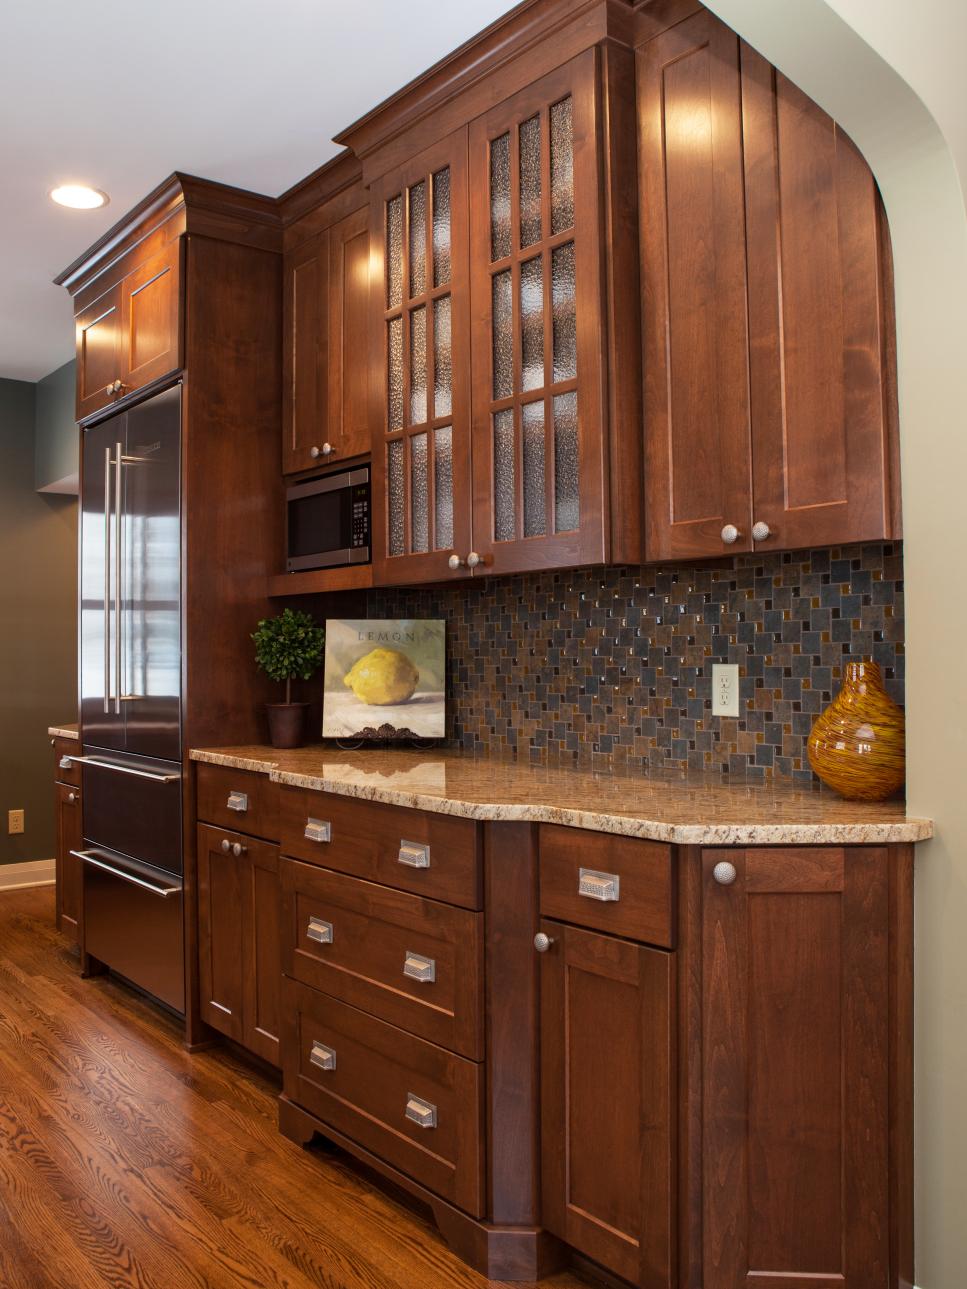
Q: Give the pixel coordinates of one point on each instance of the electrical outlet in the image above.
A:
(15, 822)
(725, 689)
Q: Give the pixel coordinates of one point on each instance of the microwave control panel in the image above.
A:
(360, 506)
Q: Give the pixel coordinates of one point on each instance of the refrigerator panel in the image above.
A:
(102, 714)
(150, 595)
(133, 805)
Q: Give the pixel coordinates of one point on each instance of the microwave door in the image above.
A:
(102, 713)
(150, 588)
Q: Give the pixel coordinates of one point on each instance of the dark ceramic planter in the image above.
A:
(287, 723)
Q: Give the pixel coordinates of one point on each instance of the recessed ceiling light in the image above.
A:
(78, 196)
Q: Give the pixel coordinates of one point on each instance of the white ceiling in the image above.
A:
(119, 93)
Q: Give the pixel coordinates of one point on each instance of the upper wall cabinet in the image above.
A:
(500, 269)
(770, 405)
(130, 334)
(325, 308)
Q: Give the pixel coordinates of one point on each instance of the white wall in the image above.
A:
(894, 80)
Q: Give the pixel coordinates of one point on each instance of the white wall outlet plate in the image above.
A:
(725, 689)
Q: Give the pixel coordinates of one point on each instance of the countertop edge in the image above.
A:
(697, 834)
(63, 731)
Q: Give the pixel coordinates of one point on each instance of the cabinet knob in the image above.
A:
(542, 942)
(72, 797)
(724, 873)
(730, 534)
(325, 451)
(238, 850)
(226, 845)
(53, 742)
(760, 531)
(473, 559)
(456, 562)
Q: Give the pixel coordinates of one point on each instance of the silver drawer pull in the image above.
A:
(324, 1057)
(421, 1112)
(319, 931)
(318, 830)
(66, 762)
(599, 886)
(417, 967)
(414, 854)
(238, 801)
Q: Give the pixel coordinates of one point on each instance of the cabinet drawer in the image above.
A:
(408, 1101)
(412, 850)
(411, 961)
(238, 799)
(66, 770)
(616, 884)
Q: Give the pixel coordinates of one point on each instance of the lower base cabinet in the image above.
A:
(70, 836)
(240, 967)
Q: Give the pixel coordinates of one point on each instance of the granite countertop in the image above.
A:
(684, 809)
(63, 731)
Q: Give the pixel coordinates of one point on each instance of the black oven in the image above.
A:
(328, 521)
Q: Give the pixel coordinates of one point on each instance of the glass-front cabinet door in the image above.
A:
(539, 397)
(421, 455)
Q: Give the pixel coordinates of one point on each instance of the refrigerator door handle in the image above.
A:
(117, 577)
(97, 861)
(107, 580)
(126, 769)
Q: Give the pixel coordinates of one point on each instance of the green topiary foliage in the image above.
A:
(288, 647)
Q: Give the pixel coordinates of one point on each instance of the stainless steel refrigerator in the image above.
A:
(130, 687)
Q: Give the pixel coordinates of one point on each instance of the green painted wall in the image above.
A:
(38, 639)
(57, 436)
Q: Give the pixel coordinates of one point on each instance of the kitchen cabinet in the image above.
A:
(799, 986)
(769, 384)
(70, 836)
(325, 320)
(240, 966)
(130, 335)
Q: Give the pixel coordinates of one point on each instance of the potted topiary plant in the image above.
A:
(288, 647)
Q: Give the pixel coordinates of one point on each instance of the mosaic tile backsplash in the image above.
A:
(613, 666)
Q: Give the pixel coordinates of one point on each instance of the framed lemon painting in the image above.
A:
(384, 679)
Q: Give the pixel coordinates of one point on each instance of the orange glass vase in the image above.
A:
(858, 744)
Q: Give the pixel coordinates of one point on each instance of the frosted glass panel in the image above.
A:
(394, 253)
(535, 519)
(394, 373)
(562, 167)
(418, 365)
(532, 323)
(565, 323)
(418, 239)
(441, 227)
(500, 197)
(530, 182)
(442, 358)
(419, 495)
(503, 322)
(505, 473)
(567, 508)
(443, 488)
(397, 496)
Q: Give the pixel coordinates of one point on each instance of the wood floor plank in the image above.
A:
(127, 1162)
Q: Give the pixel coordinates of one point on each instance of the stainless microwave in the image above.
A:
(328, 521)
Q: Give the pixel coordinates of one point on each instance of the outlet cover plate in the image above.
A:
(15, 823)
(725, 689)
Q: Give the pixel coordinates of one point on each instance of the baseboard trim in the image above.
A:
(35, 872)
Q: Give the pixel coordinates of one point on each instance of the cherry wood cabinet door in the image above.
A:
(820, 313)
(97, 332)
(420, 360)
(349, 425)
(151, 319)
(220, 947)
(607, 1103)
(698, 471)
(540, 418)
(306, 356)
(796, 1042)
(70, 836)
(261, 950)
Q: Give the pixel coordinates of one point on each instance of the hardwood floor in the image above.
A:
(126, 1162)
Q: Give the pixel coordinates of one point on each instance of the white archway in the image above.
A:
(856, 72)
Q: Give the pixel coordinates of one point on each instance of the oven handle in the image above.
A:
(126, 769)
(91, 857)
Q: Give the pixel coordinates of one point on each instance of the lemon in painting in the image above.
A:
(381, 677)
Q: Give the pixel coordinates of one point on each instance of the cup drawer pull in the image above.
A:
(66, 762)
(599, 886)
(319, 931)
(417, 967)
(318, 830)
(324, 1057)
(414, 854)
(420, 1112)
(238, 801)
